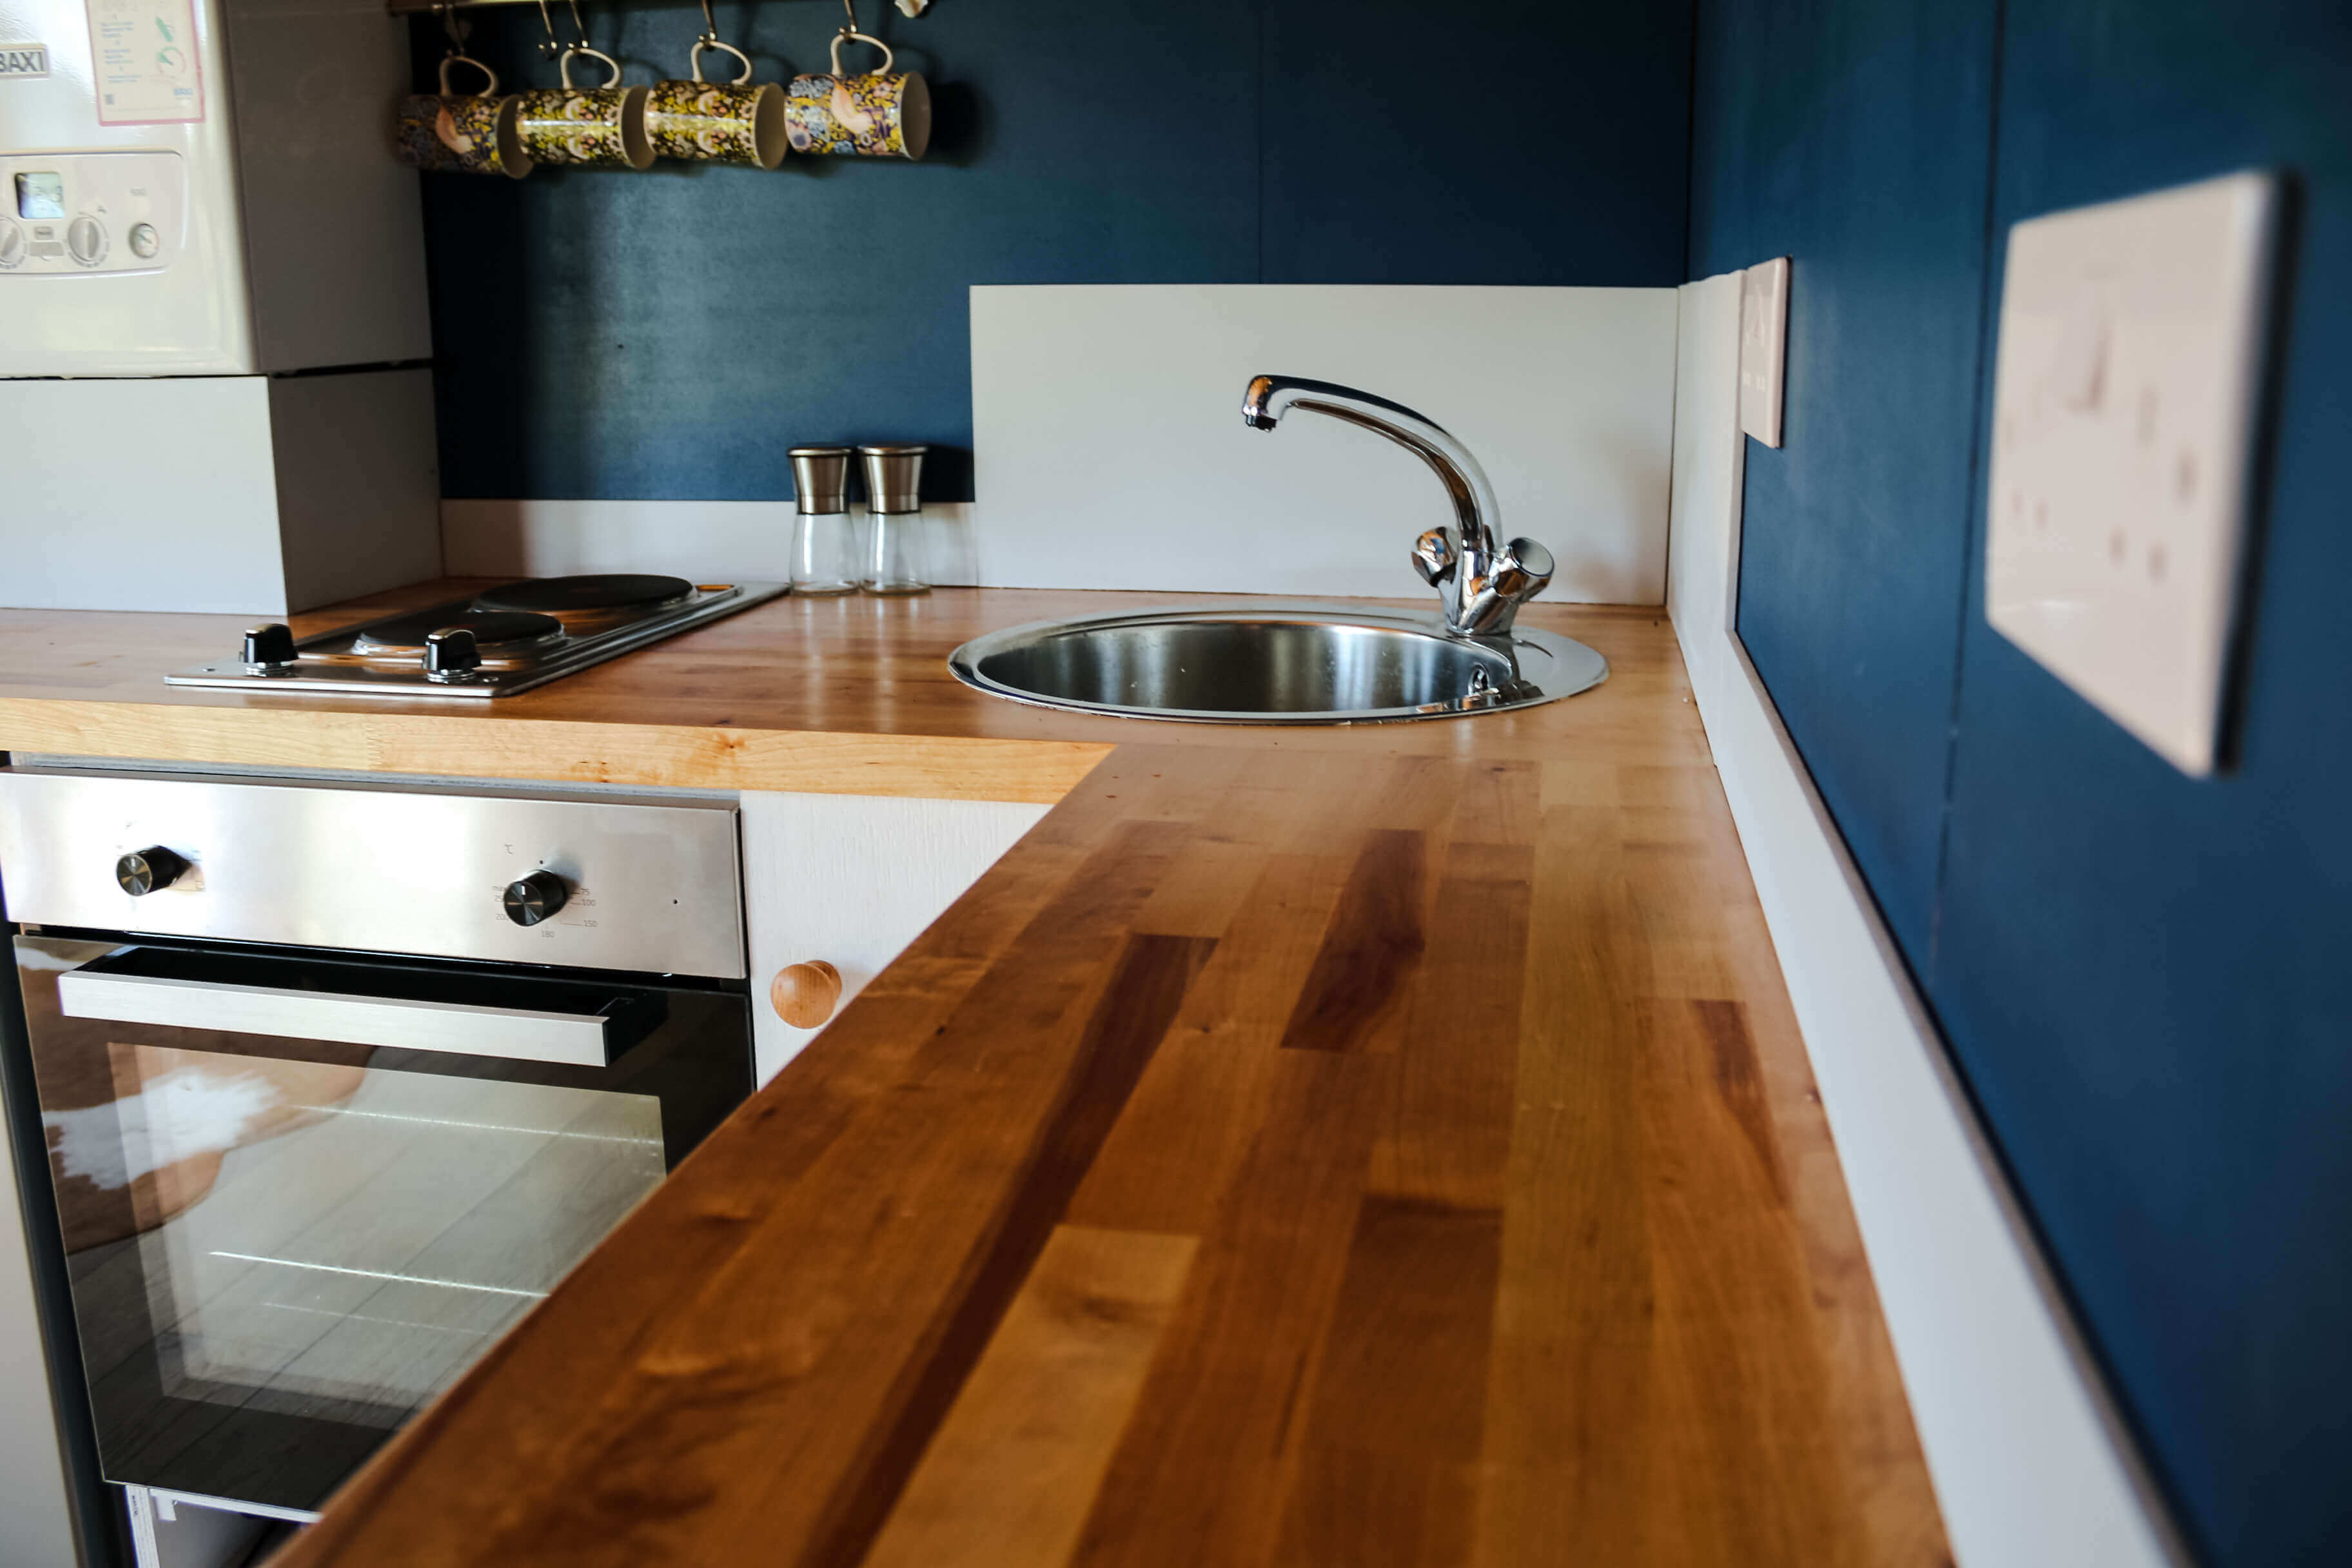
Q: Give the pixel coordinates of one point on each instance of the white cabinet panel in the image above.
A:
(852, 879)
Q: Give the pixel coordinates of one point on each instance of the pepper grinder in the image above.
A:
(894, 505)
(825, 543)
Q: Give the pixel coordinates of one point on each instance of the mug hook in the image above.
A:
(710, 41)
(553, 46)
(846, 33)
(851, 32)
(458, 58)
(580, 50)
(456, 55)
(742, 76)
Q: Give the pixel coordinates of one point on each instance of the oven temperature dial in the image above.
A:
(142, 871)
(535, 897)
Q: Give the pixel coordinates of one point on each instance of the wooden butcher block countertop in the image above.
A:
(1372, 1146)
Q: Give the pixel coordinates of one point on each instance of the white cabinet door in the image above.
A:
(851, 879)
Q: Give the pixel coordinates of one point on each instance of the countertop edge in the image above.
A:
(556, 750)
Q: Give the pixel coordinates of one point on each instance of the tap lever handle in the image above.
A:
(1434, 556)
(1526, 569)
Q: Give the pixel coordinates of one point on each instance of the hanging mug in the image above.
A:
(462, 133)
(588, 126)
(717, 122)
(880, 115)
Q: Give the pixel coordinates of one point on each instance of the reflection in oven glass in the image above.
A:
(336, 1241)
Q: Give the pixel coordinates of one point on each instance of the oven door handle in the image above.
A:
(571, 1039)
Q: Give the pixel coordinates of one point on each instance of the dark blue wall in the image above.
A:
(1858, 141)
(2141, 976)
(670, 333)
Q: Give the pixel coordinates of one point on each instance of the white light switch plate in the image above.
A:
(1763, 347)
(2124, 406)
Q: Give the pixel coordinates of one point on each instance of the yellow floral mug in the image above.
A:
(586, 127)
(717, 122)
(462, 133)
(880, 115)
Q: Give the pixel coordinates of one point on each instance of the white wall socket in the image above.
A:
(1763, 347)
(2125, 396)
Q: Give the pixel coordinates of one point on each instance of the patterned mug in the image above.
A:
(462, 133)
(588, 126)
(876, 116)
(717, 122)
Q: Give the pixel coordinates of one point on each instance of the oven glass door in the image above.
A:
(301, 1207)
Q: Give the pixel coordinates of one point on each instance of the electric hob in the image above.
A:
(494, 644)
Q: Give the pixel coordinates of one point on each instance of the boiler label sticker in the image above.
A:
(145, 56)
(23, 60)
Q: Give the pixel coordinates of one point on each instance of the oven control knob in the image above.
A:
(143, 871)
(535, 897)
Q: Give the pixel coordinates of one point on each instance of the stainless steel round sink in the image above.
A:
(1274, 664)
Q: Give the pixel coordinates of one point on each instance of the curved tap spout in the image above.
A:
(1272, 396)
(1482, 583)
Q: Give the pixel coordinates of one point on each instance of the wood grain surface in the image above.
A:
(847, 696)
(1382, 1159)
(1351, 1147)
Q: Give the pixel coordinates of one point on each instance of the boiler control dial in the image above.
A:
(86, 237)
(145, 241)
(533, 898)
(11, 243)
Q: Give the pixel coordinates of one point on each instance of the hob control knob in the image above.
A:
(143, 871)
(535, 897)
(451, 654)
(269, 650)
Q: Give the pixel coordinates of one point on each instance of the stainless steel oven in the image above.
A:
(337, 1081)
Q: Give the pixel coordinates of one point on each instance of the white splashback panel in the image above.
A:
(1111, 453)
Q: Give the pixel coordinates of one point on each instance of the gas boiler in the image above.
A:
(213, 384)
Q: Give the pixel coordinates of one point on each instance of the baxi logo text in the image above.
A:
(24, 59)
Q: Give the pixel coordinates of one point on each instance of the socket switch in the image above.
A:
(1763, 347)
(2125, 394)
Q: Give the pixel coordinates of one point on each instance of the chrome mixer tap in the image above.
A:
(1482, 583)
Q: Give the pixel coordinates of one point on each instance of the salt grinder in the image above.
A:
(824, 543)
(894, 505)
